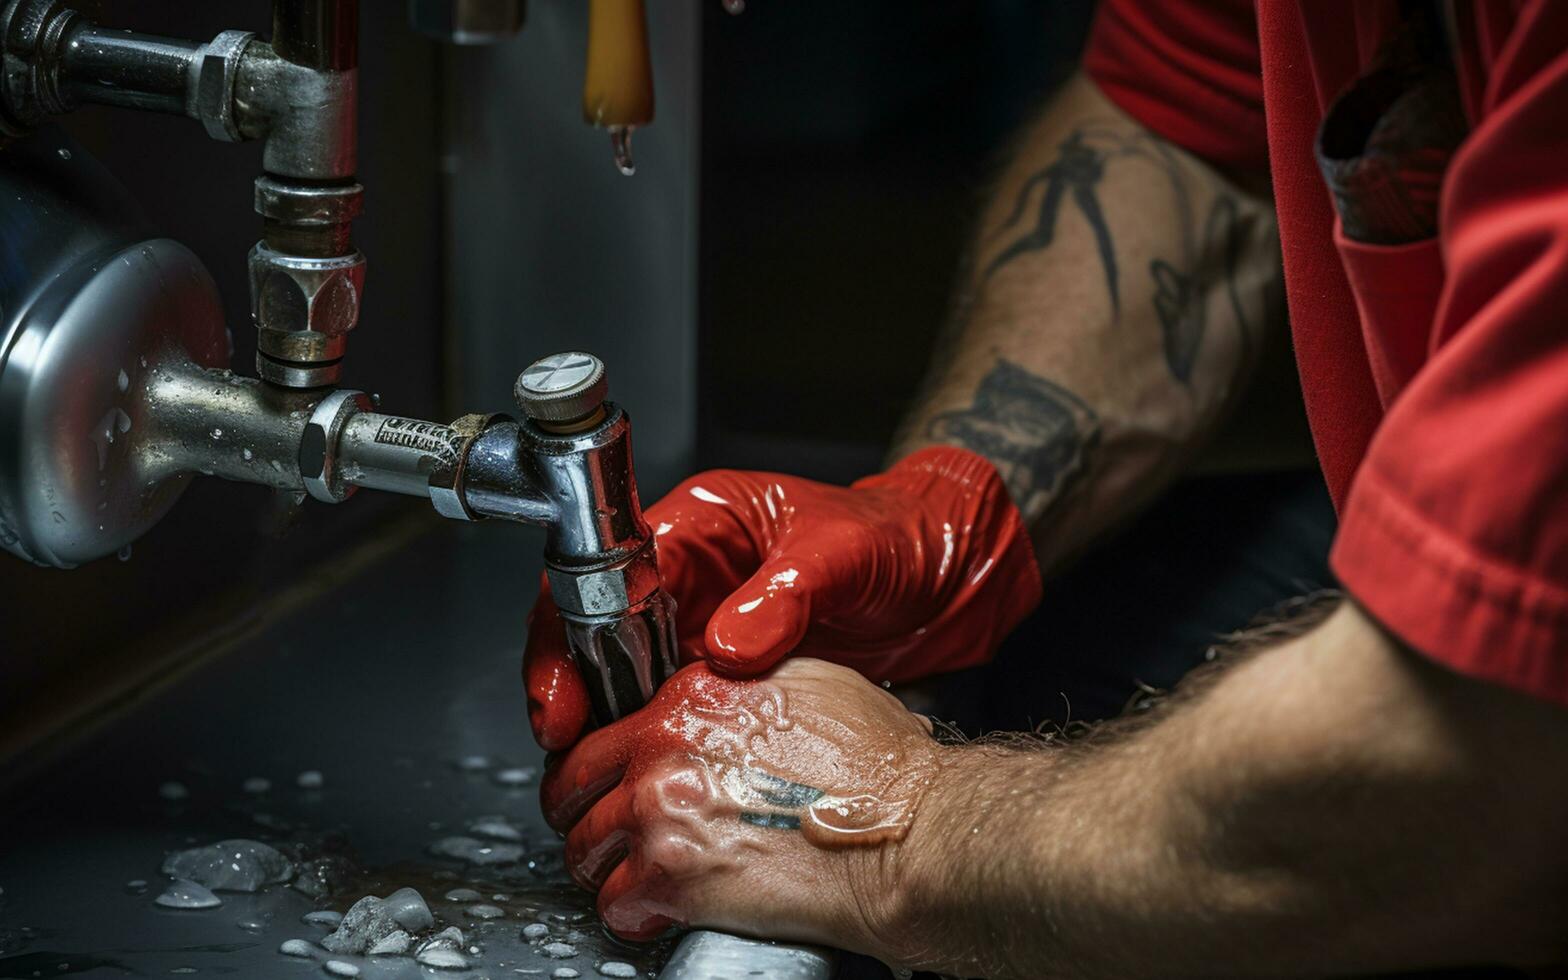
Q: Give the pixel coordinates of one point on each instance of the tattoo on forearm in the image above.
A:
(1181, 285)
(1181, 297)
(1078, 168)
(788, 796)
(1038, 434)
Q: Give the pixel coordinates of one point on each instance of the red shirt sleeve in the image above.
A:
(1455, 531)
(1189, 71)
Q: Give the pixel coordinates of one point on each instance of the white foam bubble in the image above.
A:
(188, 895)
(230, 865)
(442, 959)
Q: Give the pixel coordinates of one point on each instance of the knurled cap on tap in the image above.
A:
(562, 388)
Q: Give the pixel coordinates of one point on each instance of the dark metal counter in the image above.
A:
(383, 686)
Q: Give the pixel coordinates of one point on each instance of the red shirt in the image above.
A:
(1435, 373)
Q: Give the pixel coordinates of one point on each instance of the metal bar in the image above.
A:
(222, 424)
(388, 452)
(704, 955)
(320, 34)
(121, 68)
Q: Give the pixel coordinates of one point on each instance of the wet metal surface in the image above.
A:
(383, 717)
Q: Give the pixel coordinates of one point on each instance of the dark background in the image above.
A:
(845, 150)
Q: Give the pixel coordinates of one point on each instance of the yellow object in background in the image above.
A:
(618, 85)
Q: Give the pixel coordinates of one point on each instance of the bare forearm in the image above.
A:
(1333, 805)
(1117, 290)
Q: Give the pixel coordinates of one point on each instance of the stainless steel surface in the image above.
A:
(305, 116)
(93, 313)
(388, 452)
(467, 21)
(551, 249)
(308, 205)
(320, 34)
(122, 68)
(564, 387)
(588, 477)
(213, 422)
(704, 955)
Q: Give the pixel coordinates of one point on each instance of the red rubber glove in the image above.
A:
(919, 570)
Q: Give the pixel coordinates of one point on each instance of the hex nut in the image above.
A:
(293, 294)
(318, 445)
(605, 591)
(215, 77)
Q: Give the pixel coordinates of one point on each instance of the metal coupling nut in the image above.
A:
(606, 591)
(303, 294)
(318, 445)
(212, 89)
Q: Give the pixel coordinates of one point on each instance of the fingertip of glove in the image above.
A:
(743, 642)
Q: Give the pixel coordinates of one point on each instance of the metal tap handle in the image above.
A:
(563, 389)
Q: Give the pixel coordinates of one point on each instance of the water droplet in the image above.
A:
(123, 381)
(124, 554)
(247, 454)
(188, 895)
(621, 145)
(497, 828)
(442, 959)
(518, 776)
(217, 433)
(237, 865)
(475, 851)
(734, 7)
(64, 153)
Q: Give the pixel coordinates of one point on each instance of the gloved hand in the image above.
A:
(919, 570)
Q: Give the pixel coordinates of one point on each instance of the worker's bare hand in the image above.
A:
(774, 806)
(919, 570)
